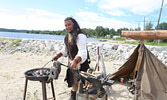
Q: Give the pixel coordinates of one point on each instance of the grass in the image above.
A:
(32, 96)
(120, 39)
(136, 42)
(28, 94)
(156, 44)
(2, 39)
(35, 94)
(16, 42)
(18, 58)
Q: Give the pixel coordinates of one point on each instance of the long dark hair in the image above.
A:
(76, 29)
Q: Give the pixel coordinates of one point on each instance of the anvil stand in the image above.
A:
(43, 89)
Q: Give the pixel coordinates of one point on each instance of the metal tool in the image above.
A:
(104, 73)
(62, 64)
(46, 64)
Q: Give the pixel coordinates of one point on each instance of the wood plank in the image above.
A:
(152, 35)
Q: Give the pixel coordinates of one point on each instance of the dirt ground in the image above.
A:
(12, 79)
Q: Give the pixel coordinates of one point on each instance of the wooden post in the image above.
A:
(139, 59)
(140, 55)
(138, 35)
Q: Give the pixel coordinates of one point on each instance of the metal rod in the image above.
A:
(44, 90)
(104, 73)
(53, 93)
(46, 64)
(62, 64)
(25, 89)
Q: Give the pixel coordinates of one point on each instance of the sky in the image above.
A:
(50, 14)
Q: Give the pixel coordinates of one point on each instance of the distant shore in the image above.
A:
(38, 36)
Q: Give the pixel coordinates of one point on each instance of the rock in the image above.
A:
(115, 47)
(110, 51)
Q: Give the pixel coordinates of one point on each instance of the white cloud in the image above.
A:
(91, 1)
(91, 20)
(136, 6)
(116, 13)
(31, 19)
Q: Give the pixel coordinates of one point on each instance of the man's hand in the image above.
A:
(57, 56)
(54, 58)
(73, 64)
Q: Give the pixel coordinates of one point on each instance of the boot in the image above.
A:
(73, 95)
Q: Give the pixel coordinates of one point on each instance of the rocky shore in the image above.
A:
(110, 51)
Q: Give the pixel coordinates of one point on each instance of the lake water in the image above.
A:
(37, 36)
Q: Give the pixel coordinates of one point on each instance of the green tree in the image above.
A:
(162, 26)
(149, 26)
(138, 29)
(120, 30)
(106, 31)
(89, 32)
(100, 31)
(112, 32)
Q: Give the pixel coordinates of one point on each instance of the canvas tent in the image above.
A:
(151, 79)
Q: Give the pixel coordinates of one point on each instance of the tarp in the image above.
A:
(151, 80)
(127, 69)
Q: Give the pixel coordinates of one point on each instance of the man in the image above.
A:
(76, 50)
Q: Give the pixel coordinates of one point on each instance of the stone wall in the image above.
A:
(110, 51)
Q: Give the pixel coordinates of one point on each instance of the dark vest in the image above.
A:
(72, 51)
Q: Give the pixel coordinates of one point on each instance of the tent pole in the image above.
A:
(140, 54)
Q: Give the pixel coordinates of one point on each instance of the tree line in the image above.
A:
(98, 32)
(101, 32)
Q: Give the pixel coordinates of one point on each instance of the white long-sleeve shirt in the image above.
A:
(81, 44)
